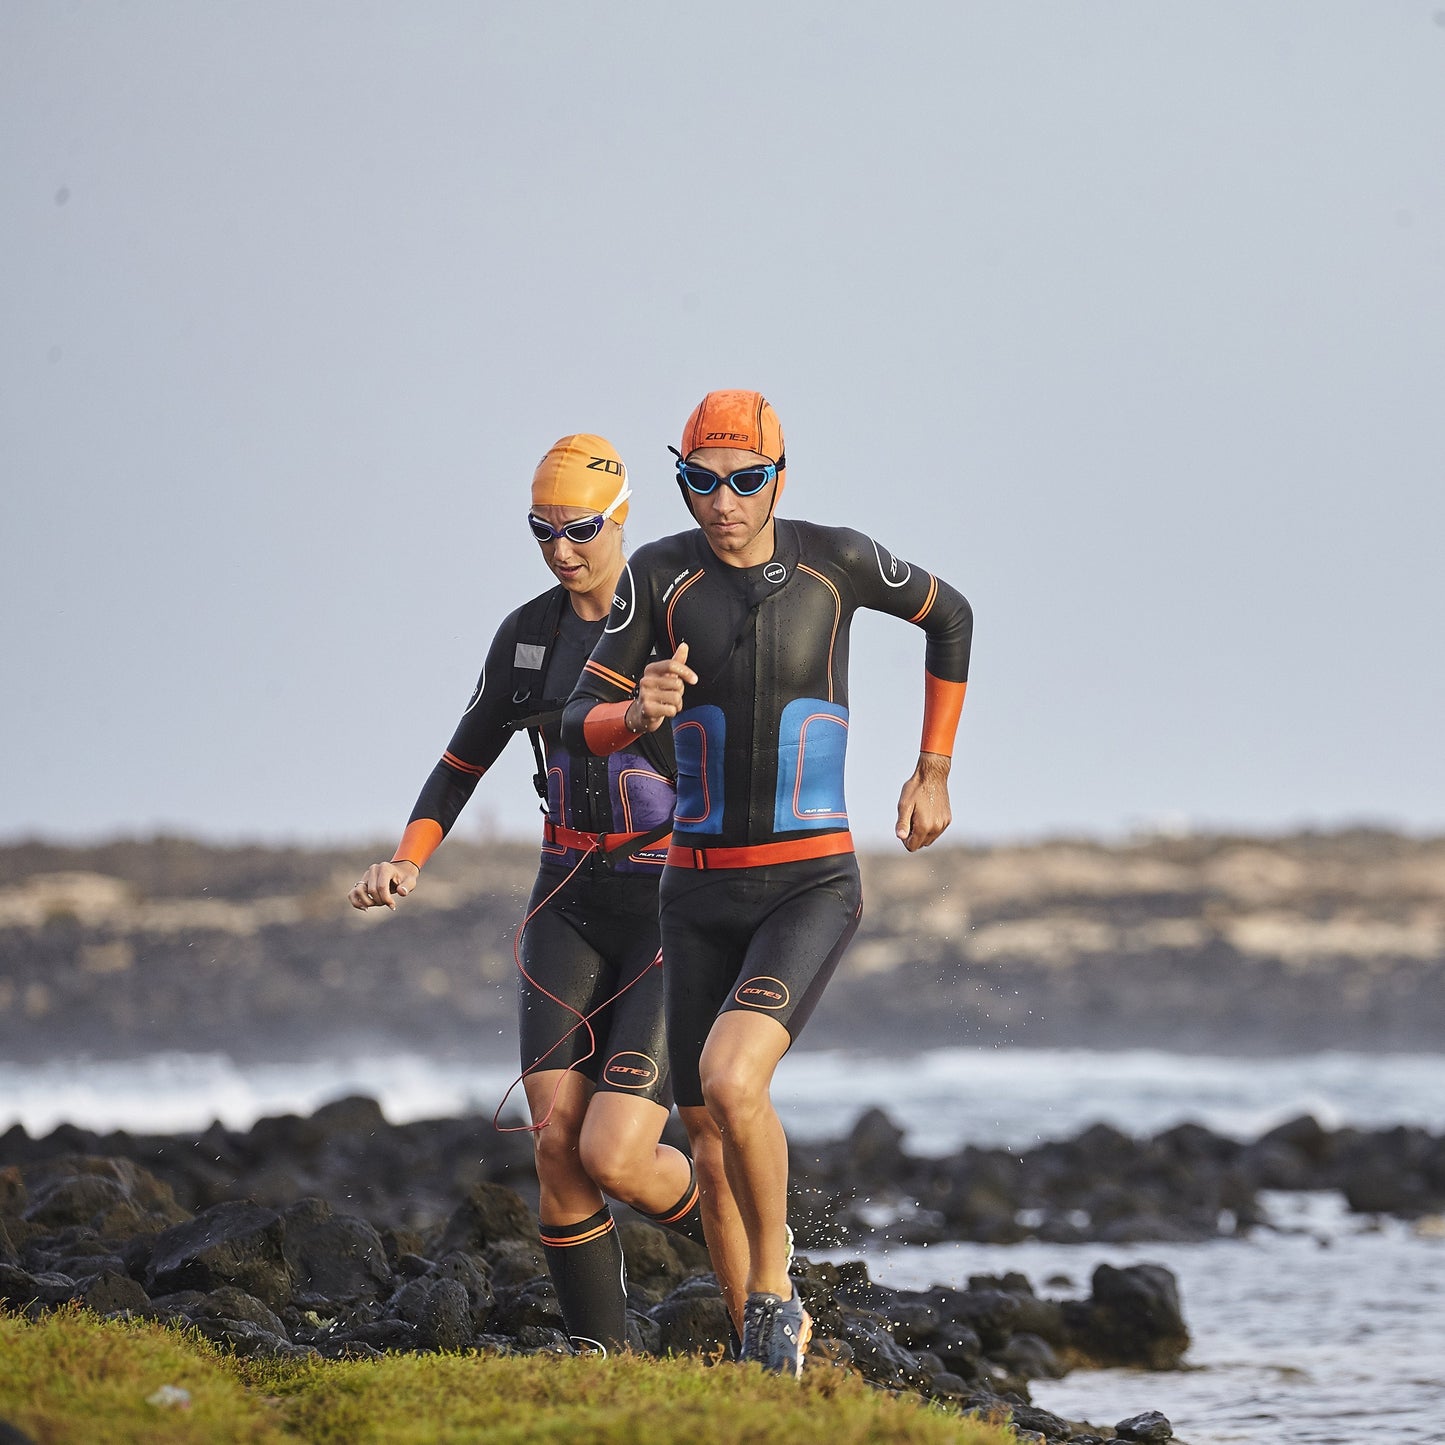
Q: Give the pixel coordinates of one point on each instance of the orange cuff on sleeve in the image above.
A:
(942, 704)
(419, 842)
(604, 729)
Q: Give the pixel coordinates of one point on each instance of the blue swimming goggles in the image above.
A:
(746, 481)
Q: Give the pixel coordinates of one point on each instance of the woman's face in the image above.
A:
(581, 567)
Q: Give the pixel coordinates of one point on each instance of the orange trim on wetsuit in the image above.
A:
(942, 705)
(606, 728)
(792, 850)
(607, 675)
(593, 842)
(474, 770)
(420, 840)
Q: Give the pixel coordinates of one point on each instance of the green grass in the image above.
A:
(71, 1377)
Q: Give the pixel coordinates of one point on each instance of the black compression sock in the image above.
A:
(586, 1264)
(686, 1215)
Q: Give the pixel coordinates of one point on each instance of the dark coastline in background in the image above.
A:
(1220, 944)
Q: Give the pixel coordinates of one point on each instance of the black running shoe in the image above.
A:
(776, 1333)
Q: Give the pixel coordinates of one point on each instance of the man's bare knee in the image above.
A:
(735, 1096)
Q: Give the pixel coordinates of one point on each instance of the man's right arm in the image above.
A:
(604, 713)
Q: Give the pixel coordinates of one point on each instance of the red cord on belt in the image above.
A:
(589, 843)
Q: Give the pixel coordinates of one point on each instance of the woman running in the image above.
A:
(589, 991)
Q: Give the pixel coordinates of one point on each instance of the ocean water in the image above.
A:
(1330, 1335)
(1328, 1331)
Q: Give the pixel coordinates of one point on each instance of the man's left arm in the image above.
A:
(888, 584)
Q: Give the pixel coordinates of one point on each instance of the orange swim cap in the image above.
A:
(583, 470)
(735, 419)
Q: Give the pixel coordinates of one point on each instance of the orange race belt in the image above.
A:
(611, 843)
(759, 855)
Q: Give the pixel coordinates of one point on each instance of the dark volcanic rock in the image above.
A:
(489, 1215)
(1132, 1318)
(110, 1292)
(1150, 1426)
(880, 1356)
(472, 1276)
(692, 1320)
(239, 1244)
(333, 1256)
(18, 1287)
(532, 1304)
(445, 1318)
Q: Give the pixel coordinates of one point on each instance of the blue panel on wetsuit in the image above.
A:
(812, 741)
(698, 735)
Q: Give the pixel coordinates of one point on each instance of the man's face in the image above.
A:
(732, 524)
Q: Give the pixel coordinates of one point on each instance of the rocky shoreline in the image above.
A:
(346, 1236)
(1182, 1185)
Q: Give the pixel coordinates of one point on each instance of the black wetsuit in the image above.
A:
(597, 933)
(761, 892)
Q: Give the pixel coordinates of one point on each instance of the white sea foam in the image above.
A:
(941, 1097)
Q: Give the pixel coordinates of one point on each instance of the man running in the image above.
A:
(750, 616)
(589, 998)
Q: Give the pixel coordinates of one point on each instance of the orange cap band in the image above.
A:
(583, 470)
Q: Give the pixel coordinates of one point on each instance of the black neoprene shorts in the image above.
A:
(765, 940)
(596, 936)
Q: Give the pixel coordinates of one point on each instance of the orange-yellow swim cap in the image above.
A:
(583, 470)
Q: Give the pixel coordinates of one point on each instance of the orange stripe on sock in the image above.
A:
(677, 1214)
(567, 1241)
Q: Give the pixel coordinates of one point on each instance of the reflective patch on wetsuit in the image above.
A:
(630, 1070)
(530, 655)
(698, 735)
(812, 744)
(624, 602)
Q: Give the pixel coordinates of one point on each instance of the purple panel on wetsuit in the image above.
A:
(641, 798)
(557, 761)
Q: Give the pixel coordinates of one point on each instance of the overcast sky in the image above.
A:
(1126, 318)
